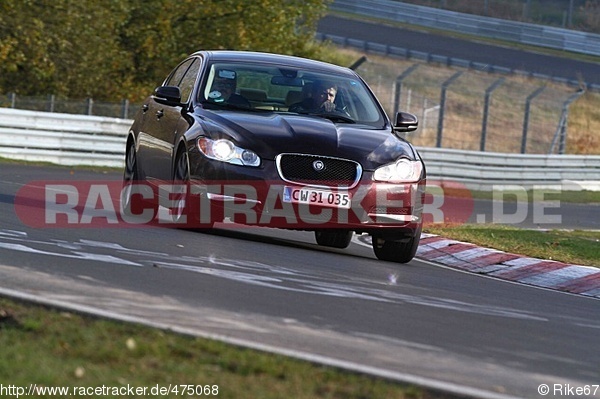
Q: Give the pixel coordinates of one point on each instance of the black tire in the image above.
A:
(130, 177)
(181, 176)
(399, 251)
(130, 173)
(185, 202)
(131, 186)
(333, 238)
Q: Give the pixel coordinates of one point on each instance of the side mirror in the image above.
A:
(406, 122)
(168, 95)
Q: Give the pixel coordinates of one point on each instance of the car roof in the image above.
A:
(272, 58)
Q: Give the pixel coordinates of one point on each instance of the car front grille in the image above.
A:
(318, 170)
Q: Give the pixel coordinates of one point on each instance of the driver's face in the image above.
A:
(327, 94)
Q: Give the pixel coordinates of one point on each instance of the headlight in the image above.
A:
(401, 171)
(225, 151)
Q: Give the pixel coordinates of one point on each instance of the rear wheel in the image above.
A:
(397, 250)
(130, 176)
(131, 172)
(333, 238)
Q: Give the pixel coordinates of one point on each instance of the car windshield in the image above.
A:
(269, 88)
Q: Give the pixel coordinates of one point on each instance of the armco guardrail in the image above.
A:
(486, 170)
(524, 33)
(67, 139)
(63, 139)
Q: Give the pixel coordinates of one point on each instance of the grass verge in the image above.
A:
(574, 247)
(54, 348)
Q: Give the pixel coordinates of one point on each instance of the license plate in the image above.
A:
(316, 197)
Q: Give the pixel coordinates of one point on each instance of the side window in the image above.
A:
(188, 80)
(177, 74)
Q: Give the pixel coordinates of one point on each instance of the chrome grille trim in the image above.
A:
(309, 159)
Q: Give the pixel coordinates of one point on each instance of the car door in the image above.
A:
(157, 141)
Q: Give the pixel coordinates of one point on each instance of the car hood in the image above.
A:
(270, 134)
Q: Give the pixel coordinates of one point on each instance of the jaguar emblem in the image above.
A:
(318, 165)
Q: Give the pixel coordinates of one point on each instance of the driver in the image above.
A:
(322, 98)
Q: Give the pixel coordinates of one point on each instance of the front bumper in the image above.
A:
(259, 197)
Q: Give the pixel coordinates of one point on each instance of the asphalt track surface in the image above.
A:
(440, 44)
(279, 291)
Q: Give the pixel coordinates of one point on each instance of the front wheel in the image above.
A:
(133, 187)
(333, 238)
(186, 212)
(181, 176)
(399, 251)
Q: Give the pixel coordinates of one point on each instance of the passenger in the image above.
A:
(223, 89)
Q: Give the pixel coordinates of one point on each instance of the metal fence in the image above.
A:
(471, 109)
(51, 103)
(403, 53)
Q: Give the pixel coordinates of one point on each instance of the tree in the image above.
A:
(62, 47)
(114, 49)
(24, 49)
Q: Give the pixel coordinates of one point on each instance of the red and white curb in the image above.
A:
(584, 280)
